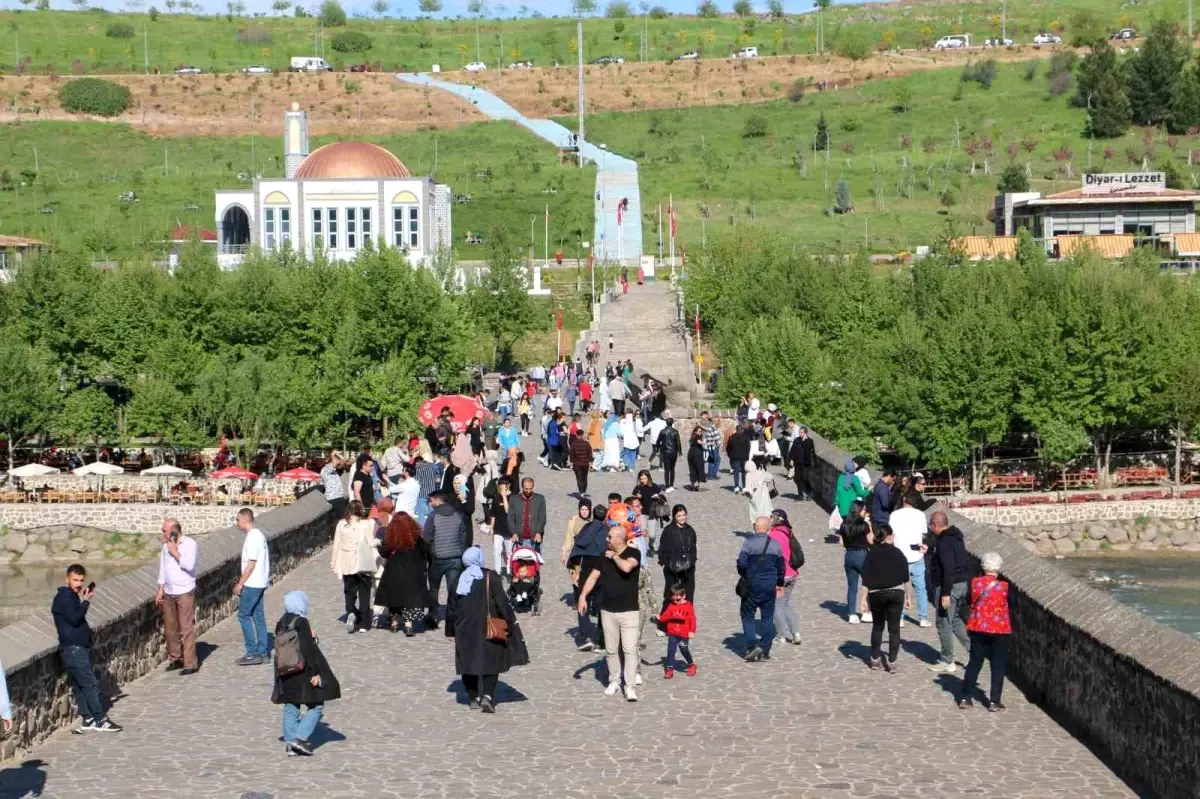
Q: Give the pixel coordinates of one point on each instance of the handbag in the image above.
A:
(684, 563)
(364, 556)
(658, 508)
(742, 589)
(495, 628)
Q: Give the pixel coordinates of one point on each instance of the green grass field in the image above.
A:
(84, 168)
(64, 42)
(702, 157)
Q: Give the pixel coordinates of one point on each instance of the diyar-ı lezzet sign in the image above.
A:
(1123, 182)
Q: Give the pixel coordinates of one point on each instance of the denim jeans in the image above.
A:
(78, 662)
(675, 643)
(916, 574)
(739, 473)
(422, 510)
(766, 625)
(952, 621)
(629, 457)
(450, 569)
(785, 615)
(253, 619)
(714, 463)
(299, 726)
(853, 563)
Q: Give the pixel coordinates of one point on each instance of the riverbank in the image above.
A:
(1163, 586)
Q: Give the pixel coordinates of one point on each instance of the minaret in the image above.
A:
(295, 140)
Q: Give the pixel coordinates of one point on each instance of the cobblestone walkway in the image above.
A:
(812, 722)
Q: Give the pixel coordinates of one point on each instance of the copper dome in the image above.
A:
(351, 159)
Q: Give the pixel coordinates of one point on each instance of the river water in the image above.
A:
(24, 591)
(1164, 587)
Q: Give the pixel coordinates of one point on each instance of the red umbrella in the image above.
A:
(461, 406)
(233, 473)
(299, 473)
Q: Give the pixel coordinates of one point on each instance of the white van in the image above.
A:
(952, 42)
(308, 63)
(747, 52)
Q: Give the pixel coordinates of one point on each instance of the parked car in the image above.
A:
(475, 66)
(608, 59)
(1047, 38)
(256, 70)
(1125, 33)
(747, 52)
(308, 63)
(997, 42)
(188, 71)
(691, 56)
(953, 41)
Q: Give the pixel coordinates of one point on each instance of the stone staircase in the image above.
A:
(641, 325)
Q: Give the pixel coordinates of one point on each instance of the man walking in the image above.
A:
(618, 575)
(951, 572)
(445, 532)
(909, 527)
(177, 597)
(580, 453)
(507, 439)
(331, 481)
(881, 502)
(69, 608)
(738, 450)
(803, 456)
(617, 392)
(761, 568)
(251, 586)
(407, 492)
(527, 515)
(393, 460)
(712, 445)
(426, 475)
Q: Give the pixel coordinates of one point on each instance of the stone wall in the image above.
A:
(1069, 512)
(128, 624)
(1143, 534)
(1127, 685)
(122, 518)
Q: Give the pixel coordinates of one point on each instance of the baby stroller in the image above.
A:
(525, 587)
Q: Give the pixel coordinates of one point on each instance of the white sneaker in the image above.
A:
(867, 618)
(351, 622)
(942, 668)
(637, 680)
(902, 622)
(925, 623)
(659, 634)
(853, 618)
(630, 695)
(612, 689)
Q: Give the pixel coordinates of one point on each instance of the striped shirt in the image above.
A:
(427, 478)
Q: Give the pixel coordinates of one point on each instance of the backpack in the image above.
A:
(795, 552)
(288, 659)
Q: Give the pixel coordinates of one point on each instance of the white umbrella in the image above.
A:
(166, 470)
(99, 468)
(33, 470)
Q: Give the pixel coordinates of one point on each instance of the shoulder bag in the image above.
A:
(495, 628)
(742, 589)
(685, 561)
(364, 554)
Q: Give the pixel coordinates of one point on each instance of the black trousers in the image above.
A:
(800, 474)
(524, 423)
(993, 648)
(473, 683)
(886, 608)
(357, 590)
(668, 465)
(581, 478)
(688, 579)
(619, 407)
(339, 507)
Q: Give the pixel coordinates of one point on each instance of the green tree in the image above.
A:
(821, 138)
(775, 9)
(1185, 101)
(380, 7)
(27, 390)
(499, 303)
(332, 14)
(391, 393)
(1013, 180)
(1152, 73)
(429, 6)
(841, 196)
(161, 411)
(1110, 113)
(618, 9)
(1102, 60)
(743, 8)
(88, 416)
(781, 358)
(583, 7)
(708, 10)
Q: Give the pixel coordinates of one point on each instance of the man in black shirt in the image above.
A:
(69, 608)
(618, 578)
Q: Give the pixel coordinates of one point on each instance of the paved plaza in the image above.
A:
(814, 721)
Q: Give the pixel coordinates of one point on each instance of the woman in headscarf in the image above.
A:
(477, 658)
(696, 460)
(461, 455)
(848, 489)
(310, 687)
(759, 485)
(612, 443)
(464, 500)
(404, 587)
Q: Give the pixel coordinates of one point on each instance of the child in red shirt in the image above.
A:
(679, 619)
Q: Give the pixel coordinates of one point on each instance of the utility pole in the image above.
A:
(1004, 20)
(146, 45)
(579, 51)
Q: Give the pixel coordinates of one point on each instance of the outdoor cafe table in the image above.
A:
(1009, 482)
(1141, 475)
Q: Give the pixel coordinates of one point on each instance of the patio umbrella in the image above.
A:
(462, 406)
(33, 470)
(233, 473)
(166, 470)
(300, 474)
(99, 468)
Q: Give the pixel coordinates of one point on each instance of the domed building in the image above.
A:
(334, 200)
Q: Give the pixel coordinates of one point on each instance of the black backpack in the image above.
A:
(795, 551)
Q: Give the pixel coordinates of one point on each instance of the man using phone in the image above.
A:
(177, 597)
(908, 526)
(69, 608)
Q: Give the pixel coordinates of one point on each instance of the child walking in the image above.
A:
(679, 618)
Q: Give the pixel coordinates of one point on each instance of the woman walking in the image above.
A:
(310, 686)
(479, 657)
(677, 555)
(475, 437)
(989, 627)
(785, 615)
(885, 573)
(497, 522)
(669, 447)
(404, 587)
(759, 486)
(856, 539)
(353, 560)
(696, 460)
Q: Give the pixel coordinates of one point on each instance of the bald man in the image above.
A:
(177, 597)
(761, 568)
(949, 576)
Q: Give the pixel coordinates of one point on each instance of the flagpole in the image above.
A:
(671, 210)
(660, 231)
(699, 357)
(546, 249)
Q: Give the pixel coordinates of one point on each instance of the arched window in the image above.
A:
(406, 221)
(277, 221)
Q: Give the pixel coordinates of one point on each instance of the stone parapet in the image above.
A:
(128, 624)
(120, 518)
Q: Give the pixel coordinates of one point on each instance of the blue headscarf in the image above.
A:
(848, 473)
(296, 602)
(473, 560)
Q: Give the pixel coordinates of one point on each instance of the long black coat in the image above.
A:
(297, 689)
(473, 652)
(405, 580)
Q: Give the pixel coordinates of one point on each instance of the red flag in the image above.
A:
(697, 321)
(671, 213)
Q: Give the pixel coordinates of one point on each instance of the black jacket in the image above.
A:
(70, 618)
(885, 567)
(677, 543)
(950, 564)
(297, 689)
(738, 446)
(803, 453)
(404, 583)
(473, 652)
(669, 444)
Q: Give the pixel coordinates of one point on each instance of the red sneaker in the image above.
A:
(691, 670)
(668, 673)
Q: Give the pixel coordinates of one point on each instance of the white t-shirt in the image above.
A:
(554, 403)
(655, 427)
(406, 495)
(864, 478)
(908, 527)
(254, 548)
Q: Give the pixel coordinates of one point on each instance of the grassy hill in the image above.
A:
(76, 41)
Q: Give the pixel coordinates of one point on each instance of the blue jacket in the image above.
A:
(591, 541)
(70, 619)
(509, 438)
(881, 503)
(762, 568)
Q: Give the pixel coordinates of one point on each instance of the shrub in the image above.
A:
(351, 42)
(1013, 179)
(618, 9)
(153, 13)
(658, 12)
(796, 91)
(254, 36)
(841, 196)
(119, 30)
(94, 96)
(982, 73)
(850, 125)
(1031, 70)
(756, 127)
(853, 45)
(948, 198)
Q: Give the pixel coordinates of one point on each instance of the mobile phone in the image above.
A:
(92, 586)
(915, 547)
